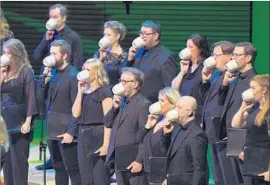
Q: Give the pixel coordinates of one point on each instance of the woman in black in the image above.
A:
(151, 133)
(18, 106)
(93, 101)
(254, 117)
(114, 55)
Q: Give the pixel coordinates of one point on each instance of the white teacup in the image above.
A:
(185, 54)
(138, 43)
(103, 42)
(83, 76)
(4, 60)
(248, 96)
(155, 108)
(49, 61)
(118, 89)
(172, 115)
(209, 63)
(232, 66)
(51, 24)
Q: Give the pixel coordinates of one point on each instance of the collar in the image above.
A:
(63, 70)
(248, 73)
(154, 48)
(188, 124)
(64, 31)
(128, 100)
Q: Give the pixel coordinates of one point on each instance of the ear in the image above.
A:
(190, 112)
(64, 18)
(65, 56)
(136, 84)
(118, 36)
(248, 58)
(156, 35)
(264, 91)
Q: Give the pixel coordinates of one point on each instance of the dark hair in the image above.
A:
(249, 49)
(202, 43)
(62, 8)
(138, 75)
(226, 47)
(64, 47)
(155, 27)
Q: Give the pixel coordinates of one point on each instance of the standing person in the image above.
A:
(254, 117)
(18, 106)
(93, 101)
(126, 122)
(59, 92)
(156, 61)
(5, 33)
(113, 55)
(58, 13)
(3, 142)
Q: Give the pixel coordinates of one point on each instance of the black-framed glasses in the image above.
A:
(238, 54)
(125, 81)
(145, 34)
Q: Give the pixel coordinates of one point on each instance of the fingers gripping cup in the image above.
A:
(248, 96)
(83, 76)
(118, 89)
(185, 54)
(49, 61)
(103, 42)
(4, 61)
(155, 108)
(209, 63)
(138, 43)
(51, 24)
(232, 66)
(172, 115)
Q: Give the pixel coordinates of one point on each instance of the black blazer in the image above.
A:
(159, 69)
(187, 152)
(126, 124)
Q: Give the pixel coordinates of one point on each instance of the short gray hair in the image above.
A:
(62, 8)
(138, 75)
(117, 27)
(64, 47)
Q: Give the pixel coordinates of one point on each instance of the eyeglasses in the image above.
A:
(237, 54)
(145, 34)
(125, 81)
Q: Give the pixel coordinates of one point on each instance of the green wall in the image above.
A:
(260, 35)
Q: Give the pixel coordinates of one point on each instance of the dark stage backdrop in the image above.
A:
(215, 20)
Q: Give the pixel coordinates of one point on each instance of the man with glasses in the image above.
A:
(126, 119)
(209, 87)
(230, 97)
(156, 62)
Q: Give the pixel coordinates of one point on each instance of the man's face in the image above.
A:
(55, 14)
(129, 83)
(148, 35)
(221, 59)
(59, 58)
(240, 57)
(183, 111)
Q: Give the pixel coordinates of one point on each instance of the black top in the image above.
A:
(71, 37)
(257, 136)
(92, 110)
(18, 99)
(113, 64)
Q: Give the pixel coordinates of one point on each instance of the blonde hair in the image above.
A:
(101, 75)
(4, 27)
(19, 55)
(172, 95)
(263, 81)
(3, 131)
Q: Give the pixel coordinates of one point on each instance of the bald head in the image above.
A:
(188, 102)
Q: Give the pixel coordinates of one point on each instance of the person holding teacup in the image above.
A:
(253, 115)
(58, 30)
(110, 52)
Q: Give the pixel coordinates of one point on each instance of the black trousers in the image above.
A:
(93, 170)
(16, 159)
(128, 178)
(65, 162)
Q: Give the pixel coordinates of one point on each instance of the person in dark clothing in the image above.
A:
(58, 13)
(113, 55)
(186, 144)
(18, 108)
(156, 61)
(254, 117)
(59, 92)
(230, 97)
(3, 141)
(151, 133)
(126, 122)
(208, 87)
(93, 101)
(5, 33)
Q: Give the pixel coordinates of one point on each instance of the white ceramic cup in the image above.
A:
(138, 43)
(118, 89)
(248, 96)
(51, 24)
(83, 76)
(155, 108)
(232, 66)
(4, 60)
(185, 54)
(209, 63)
(49, 61)
(103, 42)
(172, 115)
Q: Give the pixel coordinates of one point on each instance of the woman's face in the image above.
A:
(195, 51)
(257, 90)
(112, 36)
(92, 73)
(7, 52)
(165, 104)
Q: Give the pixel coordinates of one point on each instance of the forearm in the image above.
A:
(77, 106)
(238, 119)
(106, 137)
(176, 83)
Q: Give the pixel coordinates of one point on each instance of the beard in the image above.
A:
(59, 63)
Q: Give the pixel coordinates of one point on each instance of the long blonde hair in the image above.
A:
(4, 27)
(19, 55)
(3, 131)
(101, 75)
(264, 82)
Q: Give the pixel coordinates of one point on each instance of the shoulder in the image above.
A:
(105, 92)
(73, 71)
(74, 34)
(166, 55)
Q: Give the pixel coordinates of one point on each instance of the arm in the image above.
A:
(77, 106)
(42, 49)
(199, 158)
(240, 118)
(106, 105)
(177, 81)
(77, 53)
(169, 71)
